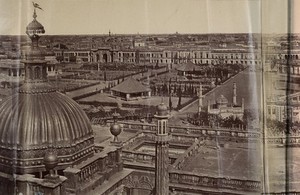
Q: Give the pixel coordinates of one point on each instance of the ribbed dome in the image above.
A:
(34, 121)
(37, 120)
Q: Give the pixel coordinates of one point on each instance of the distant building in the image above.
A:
(12, 68)
(77, 56)
(223, 109)
(176, 55)
(277, 108)
(139, 43)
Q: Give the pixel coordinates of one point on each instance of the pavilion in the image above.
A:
(130, 89)
(189, 69)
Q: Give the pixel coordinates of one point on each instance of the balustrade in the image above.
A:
(198, 180)
(232, 132)
(133, 156)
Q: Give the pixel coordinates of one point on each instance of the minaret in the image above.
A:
(162, 151)
(234, 95)
(200, 99)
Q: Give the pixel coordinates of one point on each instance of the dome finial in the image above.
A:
(34, 14)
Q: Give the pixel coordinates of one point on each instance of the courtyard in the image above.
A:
(218, 161)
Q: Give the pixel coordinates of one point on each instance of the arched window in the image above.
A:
(163, 127)
(37, 73)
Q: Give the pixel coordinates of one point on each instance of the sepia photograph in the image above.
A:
(149, 97)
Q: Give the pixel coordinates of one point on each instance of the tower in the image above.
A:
(37, 117)
(234, 94)
(162, 151)
(200, 99)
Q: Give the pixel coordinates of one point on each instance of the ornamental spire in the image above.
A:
(36, 6)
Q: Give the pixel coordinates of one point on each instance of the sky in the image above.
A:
(148, 16)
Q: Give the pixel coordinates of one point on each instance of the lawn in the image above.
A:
(283, 168)
(229, 162)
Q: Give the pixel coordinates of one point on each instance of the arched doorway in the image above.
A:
(105, 57)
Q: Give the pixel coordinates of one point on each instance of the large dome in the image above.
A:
(34, 120)
(31, 122)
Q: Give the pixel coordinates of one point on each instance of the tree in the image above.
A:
(179, 97)
(170, 102)
(105, 76)
(185, 88)
(123, 77)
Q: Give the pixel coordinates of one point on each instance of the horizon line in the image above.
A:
(136, 34)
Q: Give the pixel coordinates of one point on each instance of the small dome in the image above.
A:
(115, 129)
(50, 160)
(35, 27)
(162, 109)
(222, 100)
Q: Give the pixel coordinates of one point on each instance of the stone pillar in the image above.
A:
(208, 106)
(234, 95)
(119, 159)
(200, 100)
(72, 183)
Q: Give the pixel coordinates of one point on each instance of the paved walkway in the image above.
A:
(82, 91)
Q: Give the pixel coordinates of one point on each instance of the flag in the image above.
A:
(35, 5)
